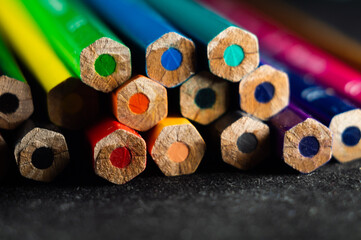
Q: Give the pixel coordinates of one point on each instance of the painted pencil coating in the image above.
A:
(104, 128)
(142, 24)
(66, 95)
(81, 41)
(320, 102)
(16, 103)
(232, 52)
(343, 118)
(8, 65)
(162, 124)
(304, 143)
(119, 152)
(175, 146)
(293, 51)
(170, 57)
(315, 30)
(207, 26)
(35, 51)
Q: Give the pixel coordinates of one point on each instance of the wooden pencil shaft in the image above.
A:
(72, 104)
(68, 26)
(119, 152)
(15, 136)
(169, 55)
(244, 140)
(40, 153)
(66, 97)
(342, 117)
(319, 102)
(283, 124)
(226, 120)
(203, 98)
(176, 146)
(264, 92)
(232, 52)
(140, 103)
(103, 128)
(302, 142)
(85, 45)
(294, 51)
(16, 103)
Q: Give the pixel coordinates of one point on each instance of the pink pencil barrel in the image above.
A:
(292, 50)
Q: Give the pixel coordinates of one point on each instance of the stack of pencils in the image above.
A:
(191, 59)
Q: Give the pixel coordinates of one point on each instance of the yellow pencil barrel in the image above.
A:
(31, 45)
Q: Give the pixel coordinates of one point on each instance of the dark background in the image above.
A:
(342, 14)
(217, 202)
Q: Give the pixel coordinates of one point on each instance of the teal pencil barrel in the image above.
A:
(16, 102)
(170, 57)
(232, 52)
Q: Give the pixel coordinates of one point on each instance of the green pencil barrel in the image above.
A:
(8, 65)
(74, 32)
(16, 103)
(232, 52)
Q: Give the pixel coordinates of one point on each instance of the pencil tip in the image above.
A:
(233, 55)
(171, 59)
(105, 65)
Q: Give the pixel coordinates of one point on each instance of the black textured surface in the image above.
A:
(218, 203)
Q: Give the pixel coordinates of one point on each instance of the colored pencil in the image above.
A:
(170, 57)
(176, 146)
(203, 98)
(264, 92)
(232, 52)
(343, 118)
(71, 104)
(83, 42)
(244, 140)
(40, 151)
(304, 143)
(16, 102)
(314, 30)
(295, 52)
(119, 152)
(140, 103)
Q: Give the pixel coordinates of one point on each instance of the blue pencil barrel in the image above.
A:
(343, 118)
(319, 102)
(134, 19)
(170, 57)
